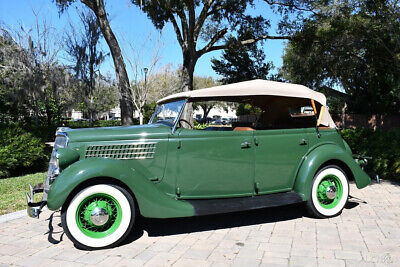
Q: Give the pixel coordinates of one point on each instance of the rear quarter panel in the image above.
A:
(329, 147)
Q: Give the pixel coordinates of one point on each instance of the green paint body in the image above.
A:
(196, 164)
(67, 156)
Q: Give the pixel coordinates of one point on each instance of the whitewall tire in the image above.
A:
(99, 216)
(329, 192)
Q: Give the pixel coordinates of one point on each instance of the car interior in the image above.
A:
(256, 113)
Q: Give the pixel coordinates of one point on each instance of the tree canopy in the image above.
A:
(354, 45)
(210, 21)
(241, 63)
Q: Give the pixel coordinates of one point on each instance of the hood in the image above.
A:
(148, 131)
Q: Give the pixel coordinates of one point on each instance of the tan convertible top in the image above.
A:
(257, 88)
(251, 88)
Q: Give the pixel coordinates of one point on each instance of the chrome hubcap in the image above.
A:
(331, 192)
(99, 216)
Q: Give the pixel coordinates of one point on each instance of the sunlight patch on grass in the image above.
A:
(12, 191)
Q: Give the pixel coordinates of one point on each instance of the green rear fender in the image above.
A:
(320, 155)
(151, 201)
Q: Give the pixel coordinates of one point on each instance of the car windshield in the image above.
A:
(167, 113)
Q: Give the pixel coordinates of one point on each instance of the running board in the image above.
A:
(225, 205)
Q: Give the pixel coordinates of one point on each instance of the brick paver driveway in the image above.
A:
(367, 233)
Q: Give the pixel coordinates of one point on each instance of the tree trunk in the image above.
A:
(126, 103)
(141, 117)
(344, 116)
(187, 75)
(206, 110)
(91, 111)
(189, 62)
(205, 113)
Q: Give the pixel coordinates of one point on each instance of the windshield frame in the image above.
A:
(174, 124)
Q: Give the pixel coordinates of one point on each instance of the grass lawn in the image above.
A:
(12, 191)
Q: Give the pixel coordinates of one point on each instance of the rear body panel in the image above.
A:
(277, 157)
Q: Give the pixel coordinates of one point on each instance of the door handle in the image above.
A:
(303, 142)
(245, 145)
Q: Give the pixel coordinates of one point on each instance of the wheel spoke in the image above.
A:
(329, 182)
(88, 205)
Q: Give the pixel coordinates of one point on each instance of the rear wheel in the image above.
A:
(99, 216)
(329, 192)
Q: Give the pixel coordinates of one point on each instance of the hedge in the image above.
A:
(20, 152)
(23, 149)
(382, 145)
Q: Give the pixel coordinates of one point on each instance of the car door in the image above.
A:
(277, 156)
(213, 164)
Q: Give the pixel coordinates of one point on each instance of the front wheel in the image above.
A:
(329, 192)
(99, 216)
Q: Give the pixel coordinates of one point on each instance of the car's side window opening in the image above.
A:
(253, 113)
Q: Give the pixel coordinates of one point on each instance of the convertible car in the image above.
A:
(280, 147)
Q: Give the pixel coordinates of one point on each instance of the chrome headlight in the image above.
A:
(60, 142)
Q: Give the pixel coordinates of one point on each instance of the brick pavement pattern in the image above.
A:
(366, 234)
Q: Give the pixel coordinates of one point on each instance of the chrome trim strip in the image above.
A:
(105, 155)
(125, 144)
(152, 116)
(144, 157)
(130, 148)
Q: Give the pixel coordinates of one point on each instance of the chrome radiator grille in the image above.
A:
(122, 151)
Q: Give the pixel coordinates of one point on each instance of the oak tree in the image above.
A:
(209, 21)
(98, 8)
(354, 45)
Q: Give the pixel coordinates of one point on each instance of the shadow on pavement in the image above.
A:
(51, 231)
(166, 227)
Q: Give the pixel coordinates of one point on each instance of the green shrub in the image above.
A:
(87, 124)
(148, 111)
(200, 126)
(382, 146)
(23, 149)
(20, 152)
(45, 132)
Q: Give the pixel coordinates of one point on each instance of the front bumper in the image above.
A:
(34, 208)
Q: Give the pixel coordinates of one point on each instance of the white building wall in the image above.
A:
(231, 114)
(76, 114)
(115, 112)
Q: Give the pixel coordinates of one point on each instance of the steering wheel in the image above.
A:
(185, 121)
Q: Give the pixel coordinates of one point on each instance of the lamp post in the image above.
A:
(146, 70)
(145, 76)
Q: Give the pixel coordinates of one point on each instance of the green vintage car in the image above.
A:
(280, 147)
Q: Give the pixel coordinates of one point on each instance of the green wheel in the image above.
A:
(329, 192)
(99, 216)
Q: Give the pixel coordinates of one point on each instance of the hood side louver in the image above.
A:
(122, 151)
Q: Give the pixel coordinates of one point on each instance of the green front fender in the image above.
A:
(151, 201)
(320, 155)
